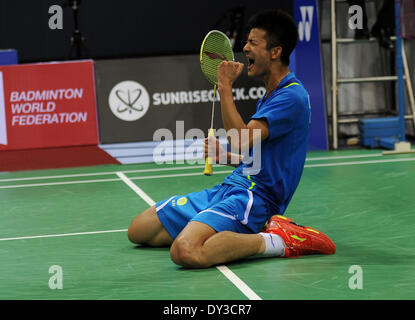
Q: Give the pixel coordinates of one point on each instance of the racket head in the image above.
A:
(216, 47)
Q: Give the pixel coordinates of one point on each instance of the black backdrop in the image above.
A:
(118, 28)
(162, 75)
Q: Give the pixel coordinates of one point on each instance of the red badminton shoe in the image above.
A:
(300, 240)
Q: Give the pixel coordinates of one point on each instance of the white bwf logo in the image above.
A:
(304, 26)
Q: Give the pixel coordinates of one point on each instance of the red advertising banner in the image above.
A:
(47, 105)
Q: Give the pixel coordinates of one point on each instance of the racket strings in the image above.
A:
(215, 49)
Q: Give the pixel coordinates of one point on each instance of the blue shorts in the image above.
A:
(223, 207)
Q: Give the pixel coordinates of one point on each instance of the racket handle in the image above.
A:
(208, 163)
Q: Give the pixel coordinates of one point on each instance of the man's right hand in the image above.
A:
(213, 149)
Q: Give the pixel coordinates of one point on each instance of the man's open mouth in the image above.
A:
(251, 62)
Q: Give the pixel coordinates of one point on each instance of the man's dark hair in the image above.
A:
(281, 30)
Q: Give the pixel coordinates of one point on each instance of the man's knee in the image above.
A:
(146, 228)
(134, 229)
(186, 254)
(139, 231)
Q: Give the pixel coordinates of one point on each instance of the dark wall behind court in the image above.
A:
(119, 28)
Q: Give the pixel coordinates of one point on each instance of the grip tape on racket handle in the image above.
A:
(208, 163)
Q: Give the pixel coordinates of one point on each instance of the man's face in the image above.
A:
(259, 57)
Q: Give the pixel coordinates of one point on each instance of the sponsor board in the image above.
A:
(47, 105)
(136, 97)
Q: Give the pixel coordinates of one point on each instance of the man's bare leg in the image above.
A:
(200, 246)
(146, 228)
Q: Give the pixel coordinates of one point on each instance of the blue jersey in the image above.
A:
(282, 155)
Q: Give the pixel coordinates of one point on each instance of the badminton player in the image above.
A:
(226, 223)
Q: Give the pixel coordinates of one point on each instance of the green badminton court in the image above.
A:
(63, 234)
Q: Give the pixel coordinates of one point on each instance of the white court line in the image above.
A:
(357, 162)
(166, 169)
(100, 173)
(178, 175)
(107, 180)
(136, 189)
(232, 277)
(336, 164)
(57, 183)
(345, 157)
(63, 235)
(242, 286)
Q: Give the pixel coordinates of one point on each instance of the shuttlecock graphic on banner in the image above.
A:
(3, 128)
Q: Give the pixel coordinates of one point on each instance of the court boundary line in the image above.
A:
(102, 173)
(63, 235)
(334, 164)
(136, 189)
(370, 155)
(231, 276)
(108, 180)
(242, 286)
